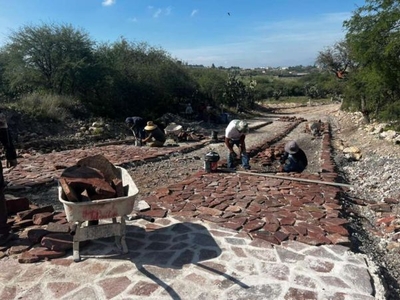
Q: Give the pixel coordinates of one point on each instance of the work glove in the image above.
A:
(11, 163)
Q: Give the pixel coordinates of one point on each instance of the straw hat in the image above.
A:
(291, 147)
(150, 126)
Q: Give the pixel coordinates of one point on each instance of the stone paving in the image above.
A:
(216, 236)
(180, 259)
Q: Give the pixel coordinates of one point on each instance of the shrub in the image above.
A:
(47, 106)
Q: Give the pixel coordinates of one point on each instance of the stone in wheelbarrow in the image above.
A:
(76, 180)
(102, 164)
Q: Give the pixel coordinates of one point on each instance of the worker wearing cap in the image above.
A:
(235, 134)
(11, 157)
(136, 124)
(294, 159)
(155, 137)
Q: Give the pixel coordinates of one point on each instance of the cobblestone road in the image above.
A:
(216, 236)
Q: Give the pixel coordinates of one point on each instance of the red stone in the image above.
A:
(386, 220)
(28, 214)
(336, 229)
(56, 227)
(156, 213)
(281, 236)
(254, 225)
(338, 239)
(44, 253)
(35, 235)
(271, 227)
(42, 218)
(57, 241)
(28, 258)
(266, 236)
(232, 225)
(15, 205)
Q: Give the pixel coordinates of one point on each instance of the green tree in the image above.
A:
(51, 58)
(211, 85)
(374, 39)
(140, 79)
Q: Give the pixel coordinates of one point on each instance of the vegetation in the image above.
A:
(43, 67)
(368, 60)
(53, 70)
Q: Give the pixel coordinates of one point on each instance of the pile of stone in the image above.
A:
(38, 233)
(92, 178)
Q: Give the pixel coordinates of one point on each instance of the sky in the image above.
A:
(241, 33)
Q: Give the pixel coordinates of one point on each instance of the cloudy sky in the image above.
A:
(244, 33)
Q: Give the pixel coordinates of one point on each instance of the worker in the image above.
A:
(235, 134)
(189, 111)
(11, 157)
(155, 137)
(294, 159)
(136, 124)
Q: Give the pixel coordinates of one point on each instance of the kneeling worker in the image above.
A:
(294, 159)
(155, 137)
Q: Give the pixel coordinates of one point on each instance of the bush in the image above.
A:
(47, 106)
(391, 112)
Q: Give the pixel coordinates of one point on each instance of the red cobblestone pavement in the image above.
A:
(33, 170)
(271, 209)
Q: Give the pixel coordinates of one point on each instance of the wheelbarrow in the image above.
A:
(172, 131)
(113, 208)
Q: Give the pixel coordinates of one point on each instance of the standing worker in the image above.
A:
(235, 134)
(137, 124)
(155, 137)
(11, 157)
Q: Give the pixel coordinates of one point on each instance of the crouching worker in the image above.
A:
(235, 134)
(136, 124)
(155, 137)
(294, 159)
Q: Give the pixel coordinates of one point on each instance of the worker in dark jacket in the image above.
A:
(294, 159)
(11, 157)
(137, 124)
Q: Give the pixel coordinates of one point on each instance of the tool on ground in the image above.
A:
(140, 216)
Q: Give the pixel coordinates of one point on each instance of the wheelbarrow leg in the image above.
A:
(120, 239)
(75, 246)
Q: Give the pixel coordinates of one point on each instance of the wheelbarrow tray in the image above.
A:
(104, 208)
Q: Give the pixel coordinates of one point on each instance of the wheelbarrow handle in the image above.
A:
(139, 216)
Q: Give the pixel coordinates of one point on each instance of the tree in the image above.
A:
(336, 59)
(48, 57)
(141, 78)
(211, 84)
(374, 39)
(235, 94)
